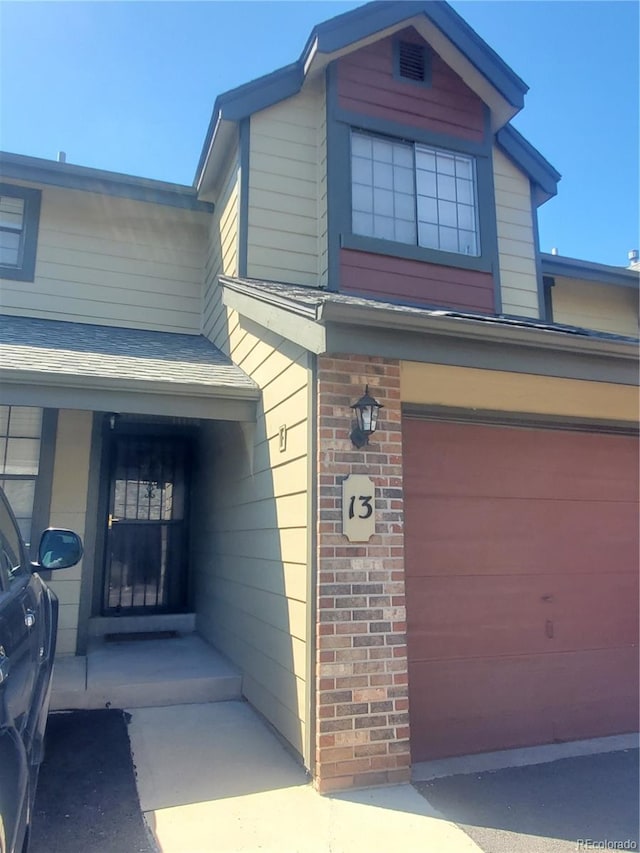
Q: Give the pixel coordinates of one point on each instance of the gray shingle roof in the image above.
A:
(114, 353)
(308, 301)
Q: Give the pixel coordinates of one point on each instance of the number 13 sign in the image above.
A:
(358, 508)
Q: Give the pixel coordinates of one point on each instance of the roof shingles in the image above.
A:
(309, 300)
(107, 352)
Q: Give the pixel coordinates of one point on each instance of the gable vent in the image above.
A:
(412, 61)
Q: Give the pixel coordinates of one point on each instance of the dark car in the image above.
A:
(28, 624)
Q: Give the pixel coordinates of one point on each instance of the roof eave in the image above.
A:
(290, 304)
(100, 394)
(334, 36)
(115, 383)
(530, 160)
(559, 265)
(38, 170)
(561, 340)
(325, 312)
(340, 32)
(241, 102)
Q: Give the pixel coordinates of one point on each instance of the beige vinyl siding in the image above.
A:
(605, 308)
(516, 238)
(113, 261)
(287, 191)
(69, 510)
(251, 532)
(502, 391)
(222, 252)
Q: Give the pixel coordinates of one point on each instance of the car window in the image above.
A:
(12, 557)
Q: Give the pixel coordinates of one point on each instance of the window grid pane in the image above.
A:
(446, 198)
(11, 212)
(9, 248)
(383, 194)
(23, 421)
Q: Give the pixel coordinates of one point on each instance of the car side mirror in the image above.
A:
(59, 549)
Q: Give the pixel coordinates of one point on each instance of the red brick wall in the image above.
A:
(362, 713)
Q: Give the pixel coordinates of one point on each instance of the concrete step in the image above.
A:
(146, 673)
(183, 623)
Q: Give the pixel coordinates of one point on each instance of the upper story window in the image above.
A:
(19, 215)
(414, 193)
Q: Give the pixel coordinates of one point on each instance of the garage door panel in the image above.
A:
(521, 550)
(479, 706)
(463, 706)
(596, 716)
(473, 617)
(596, 611)
(511, 462)
(449, 737)
(488, 536)
(605, 676)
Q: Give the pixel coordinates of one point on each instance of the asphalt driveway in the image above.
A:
(213, 778)
(87, 800)
(546, 808)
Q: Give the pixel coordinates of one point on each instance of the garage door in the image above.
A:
(522, 585)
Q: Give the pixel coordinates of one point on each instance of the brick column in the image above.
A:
(362, 719)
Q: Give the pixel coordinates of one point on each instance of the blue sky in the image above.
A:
(129, 87)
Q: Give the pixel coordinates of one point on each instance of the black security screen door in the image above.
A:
(147, 528)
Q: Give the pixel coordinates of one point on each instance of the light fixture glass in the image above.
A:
(366, 412)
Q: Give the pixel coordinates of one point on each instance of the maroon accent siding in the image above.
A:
(366, 85)
(381, 276)
(521, 554)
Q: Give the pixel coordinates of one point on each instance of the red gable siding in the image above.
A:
(366, 85)
(379, 276)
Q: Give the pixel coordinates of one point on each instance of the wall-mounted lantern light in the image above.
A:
(366, 411)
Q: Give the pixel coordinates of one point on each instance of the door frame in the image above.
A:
(103, 469)
(177, 447)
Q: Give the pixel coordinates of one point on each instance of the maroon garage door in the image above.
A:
(522, 585)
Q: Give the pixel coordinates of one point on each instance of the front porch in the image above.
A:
(162, 666)
(189, 481)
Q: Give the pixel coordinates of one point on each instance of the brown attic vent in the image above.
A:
(412, 62)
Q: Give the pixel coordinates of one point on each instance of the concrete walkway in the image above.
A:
(213, 778)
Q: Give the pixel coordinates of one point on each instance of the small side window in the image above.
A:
(19, 219)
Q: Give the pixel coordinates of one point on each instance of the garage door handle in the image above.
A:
(29, 618)
(549, 629)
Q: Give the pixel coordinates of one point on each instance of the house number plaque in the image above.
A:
(358, 508)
